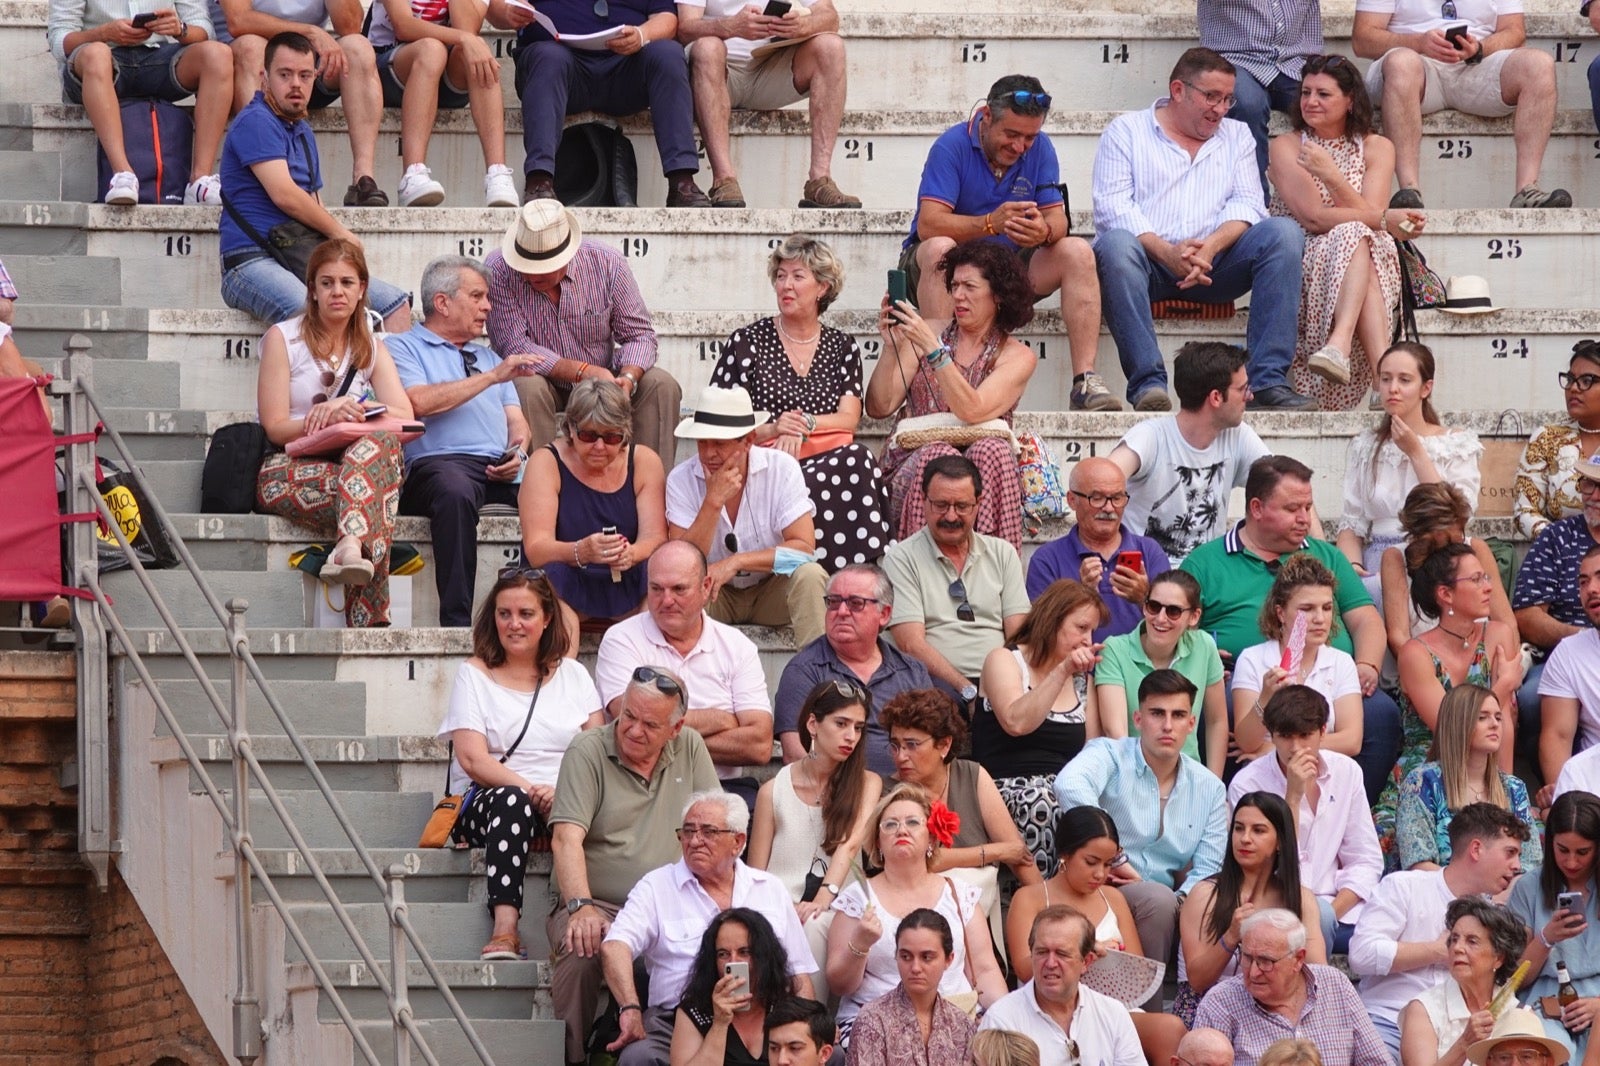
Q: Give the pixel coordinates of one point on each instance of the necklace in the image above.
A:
(778, 321)
(1466, 641)
(1583, 428)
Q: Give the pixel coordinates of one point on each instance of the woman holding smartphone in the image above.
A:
(1559, 906)
(740, 971)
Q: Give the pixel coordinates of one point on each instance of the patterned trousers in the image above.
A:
(999, 508)
(357, 495)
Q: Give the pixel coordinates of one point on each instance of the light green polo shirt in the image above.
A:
(1123, 662)
(629, 822)
(921, 576)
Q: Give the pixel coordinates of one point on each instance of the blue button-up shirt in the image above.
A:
(1112, 775)
(477, 427)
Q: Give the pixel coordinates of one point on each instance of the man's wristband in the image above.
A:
(626, 1007)
(1362, 662)
(988, 224)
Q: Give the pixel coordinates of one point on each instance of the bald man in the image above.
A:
(1099, 550)
(1203, 1047)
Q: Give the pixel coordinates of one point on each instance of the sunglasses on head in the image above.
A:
(1023, 100)
(532, 573)
(589, 436)
(663, 681)
(1322, 64)
(847, 689)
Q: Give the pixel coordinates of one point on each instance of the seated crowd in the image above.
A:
(1014, 799)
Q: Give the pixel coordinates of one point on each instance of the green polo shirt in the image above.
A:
(921, 576)
(1234, 583)
(1123, 662)
(629, 822)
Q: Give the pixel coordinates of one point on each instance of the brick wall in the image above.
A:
(83, 980)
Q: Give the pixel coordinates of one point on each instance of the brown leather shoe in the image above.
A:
(726, 193)
(822, 192)
(365, 193)
(683, 192)
(538, 187)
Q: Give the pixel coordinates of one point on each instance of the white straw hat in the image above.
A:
(1468, 294)
(721, 414)
(543, 239)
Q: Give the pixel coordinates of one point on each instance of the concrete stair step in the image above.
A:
(950, 53)
(275, 599)
(114, 332)
(384, 819)
(321, 707)
(128, 382)
(28, 175)
(79, 280)
(355, 763)
(161, 435)
(531, 1043)
(1532, 259)
(487, 990)
(452, 932)
(433, 875)
(1516, 352)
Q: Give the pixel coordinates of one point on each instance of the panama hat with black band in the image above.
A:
(721, 414)
(543, 239)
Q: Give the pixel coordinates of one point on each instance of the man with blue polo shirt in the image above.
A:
(473, 451)
(1236, 572)
(270, 175)
(995, 177)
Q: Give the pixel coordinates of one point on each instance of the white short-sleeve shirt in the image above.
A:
(738, 47)
(775, 494)
(1573, 671)
(1334, 673)
(1420, 16)
(1100, 1026)
(479, 703)
(1179, 497)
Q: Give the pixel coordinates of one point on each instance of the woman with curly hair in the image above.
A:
(722, 1017)
(973, 369)
(912, 830)
(1484, 943)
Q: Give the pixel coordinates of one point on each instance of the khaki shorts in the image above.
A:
(764, 84)
(1470, 87)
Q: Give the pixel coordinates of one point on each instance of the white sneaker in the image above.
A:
(205, 190)
(124, 188)
(418, 189)
(500, 187)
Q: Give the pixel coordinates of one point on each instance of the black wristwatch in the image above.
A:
(577, 903)
(1475, 57)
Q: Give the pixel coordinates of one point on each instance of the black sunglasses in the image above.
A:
(469, 362)
(848, 689)
(327, 382)
(731, 542)
(663, 681)
(589, 436)
(1320, 64)
(964, 611)
(532, 573)
(1172, 610)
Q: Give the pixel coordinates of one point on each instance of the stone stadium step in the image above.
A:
(29, 175)
(433, 875)
(349, 763)
(952, 54)
(533, 1043)
(486, 990)
(1518, 351)
(81, 281)
(42, 328)
(168, 255)
(320, 707)
(1468, 162)
(384, 819)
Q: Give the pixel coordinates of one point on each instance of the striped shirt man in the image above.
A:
(1264, 38)
(1144, 182)
(599, 319)
(8, 290)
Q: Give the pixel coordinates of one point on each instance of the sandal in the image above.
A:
(507, 947)
(334, 572)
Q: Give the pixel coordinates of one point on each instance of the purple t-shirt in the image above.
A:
(1061, 558)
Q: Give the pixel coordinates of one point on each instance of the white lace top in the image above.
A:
(1374, 492)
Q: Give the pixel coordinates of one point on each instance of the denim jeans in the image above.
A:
(1264, 261)
(1530, 720)
(272, 294)
(1254, 104)
(1594, 89)
(1335, 934)
(1380, 741)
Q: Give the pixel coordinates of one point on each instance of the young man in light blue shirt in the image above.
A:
(1171, 812)
(473, 451)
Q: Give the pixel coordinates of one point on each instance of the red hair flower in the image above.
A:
(943, 824)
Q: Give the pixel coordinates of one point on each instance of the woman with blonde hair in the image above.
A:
(910, 831)
(1468, 738)
(1297, 1052)
(1003, 1047)
(809, 376)
(319, 369)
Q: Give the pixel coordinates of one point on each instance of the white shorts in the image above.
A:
(764, 84)
(1470, 87)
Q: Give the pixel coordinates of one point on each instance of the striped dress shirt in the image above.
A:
(1264, 37)
(1144, 182)
(1190, 833)
(600, 319)
(8, 290)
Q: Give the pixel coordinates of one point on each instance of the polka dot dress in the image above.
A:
(851, 520)
(501, 821)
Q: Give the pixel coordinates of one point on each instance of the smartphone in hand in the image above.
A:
(1132, 560)
(143, 19)
(375, 410)
(897, 287)
(1457, 36)
(776, 9)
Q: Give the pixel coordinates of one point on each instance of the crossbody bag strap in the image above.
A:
(525, 722)
(344, 387)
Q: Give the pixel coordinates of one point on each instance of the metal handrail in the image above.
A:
(99, 844)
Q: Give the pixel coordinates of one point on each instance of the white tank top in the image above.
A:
(797, 839)
(305, 373)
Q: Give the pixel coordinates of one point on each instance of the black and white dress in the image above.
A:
(851, 517)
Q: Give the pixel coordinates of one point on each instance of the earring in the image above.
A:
(930, 851)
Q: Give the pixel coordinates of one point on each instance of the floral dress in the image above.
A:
(1415, 741)
(846, 489)
(1422, 826)
(1327, 257)
(1000, 506)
